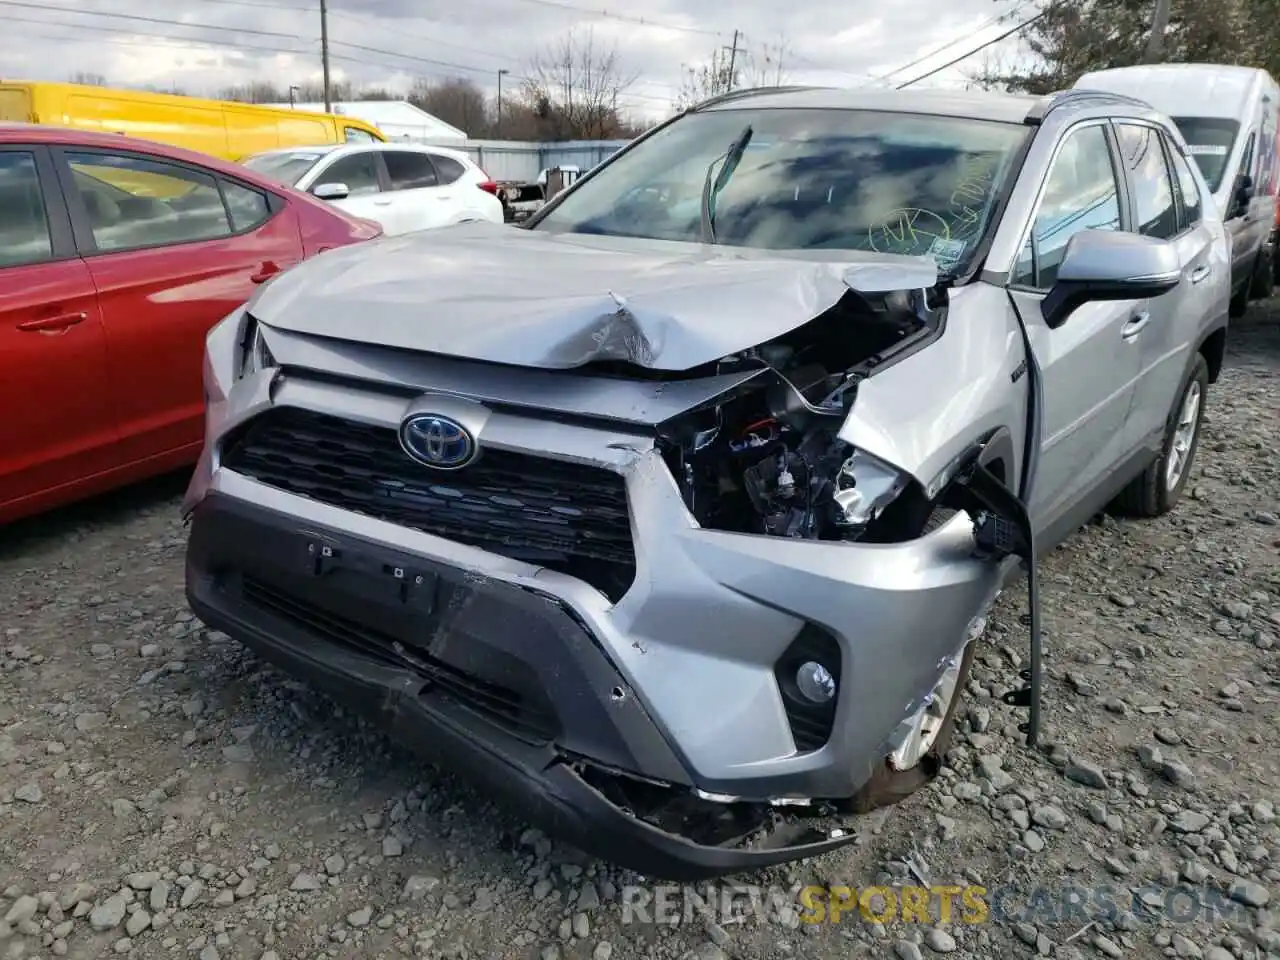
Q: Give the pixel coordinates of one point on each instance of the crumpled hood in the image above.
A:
(529, 298)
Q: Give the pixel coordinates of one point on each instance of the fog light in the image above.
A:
(815, 683)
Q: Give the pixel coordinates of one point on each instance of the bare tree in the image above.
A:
(89, 79)
(764, 66)
(255, 91)
(458, 101)
(313, 92)
(573, 87)
(711, 78)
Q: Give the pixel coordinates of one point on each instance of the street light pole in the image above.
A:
(498, 125)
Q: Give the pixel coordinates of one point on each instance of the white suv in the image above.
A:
(404, 187)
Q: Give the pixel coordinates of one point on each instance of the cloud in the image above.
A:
(200, 46)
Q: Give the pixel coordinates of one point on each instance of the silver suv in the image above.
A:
(676, 515)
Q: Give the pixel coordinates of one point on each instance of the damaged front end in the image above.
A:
(771, 458)
(696, 606)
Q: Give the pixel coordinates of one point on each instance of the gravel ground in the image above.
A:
(164, 794)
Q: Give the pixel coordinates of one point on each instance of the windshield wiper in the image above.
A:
(711, 190)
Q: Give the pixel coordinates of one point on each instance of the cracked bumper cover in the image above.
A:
(233, 543)
(690, 648)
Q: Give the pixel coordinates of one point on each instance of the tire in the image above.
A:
(1239, 302)
(1262, 285)
(1151, 494)
(888, 786)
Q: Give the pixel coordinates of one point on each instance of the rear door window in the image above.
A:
(249, 208)
(24, 224)
(447, 168)
(132, 202)
(408, 170)
(1188, 189)
(1155, 210)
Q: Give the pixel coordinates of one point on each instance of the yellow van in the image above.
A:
(219, 127)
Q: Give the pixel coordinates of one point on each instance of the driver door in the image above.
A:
(1088, 368)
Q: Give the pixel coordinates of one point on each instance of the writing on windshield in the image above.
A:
(809, 179)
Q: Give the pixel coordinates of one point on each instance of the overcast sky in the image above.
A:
(203, 45)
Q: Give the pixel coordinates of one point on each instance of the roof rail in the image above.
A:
(744, 92)
(1061, 98)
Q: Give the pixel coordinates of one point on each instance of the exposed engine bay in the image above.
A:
(767, 459)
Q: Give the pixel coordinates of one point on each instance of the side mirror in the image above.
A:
(1108, 265)
(330, 191)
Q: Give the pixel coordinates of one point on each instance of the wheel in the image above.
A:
(923, 752)
(1263, 282)
(1157, 490)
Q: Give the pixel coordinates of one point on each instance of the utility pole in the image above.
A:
(498, 127)
(731, 80)
(1155, 42)
(324, 54)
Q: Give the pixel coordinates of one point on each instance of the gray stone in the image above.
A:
(108, 914)
(1250, 894)
(1087, 774)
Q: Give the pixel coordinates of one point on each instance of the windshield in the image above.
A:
(1210, 140)
(286, 167)
(807, 180)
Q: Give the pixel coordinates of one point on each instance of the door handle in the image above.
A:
(1200, 273)
(267, 271)
(382, 203)
(53, 324)
(1136, 325)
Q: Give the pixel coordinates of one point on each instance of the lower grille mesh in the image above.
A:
(500, 704)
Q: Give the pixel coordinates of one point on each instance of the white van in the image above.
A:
(1230, 118)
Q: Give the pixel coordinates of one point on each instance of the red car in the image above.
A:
(116, 257)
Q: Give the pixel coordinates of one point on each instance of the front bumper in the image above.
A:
(690, 649)
(320, 604)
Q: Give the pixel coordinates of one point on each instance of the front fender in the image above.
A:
(925, 412)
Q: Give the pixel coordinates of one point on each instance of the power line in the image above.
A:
(403, 34)
(258, 4)
(199, 41)
(137, 18)
(978, 49)
(416, 59)
(639, 21)
(582, 11)
(987, 24)
(245, 47)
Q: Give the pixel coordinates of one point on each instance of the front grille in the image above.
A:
(507, 708)
(566, 516)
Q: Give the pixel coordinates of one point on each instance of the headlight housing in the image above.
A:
(864, 486)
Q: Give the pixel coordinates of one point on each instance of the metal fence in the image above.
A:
(524, 160)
